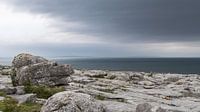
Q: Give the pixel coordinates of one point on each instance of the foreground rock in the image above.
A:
(145, 107)
(72, 102)
(36, 70)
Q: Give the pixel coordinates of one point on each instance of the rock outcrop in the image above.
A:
(72, 102)
(29, 69)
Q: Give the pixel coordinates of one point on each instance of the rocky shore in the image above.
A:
(96, 90)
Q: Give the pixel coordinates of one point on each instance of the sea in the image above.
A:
(158, 65)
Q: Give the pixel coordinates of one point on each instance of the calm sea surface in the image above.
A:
(163, 65)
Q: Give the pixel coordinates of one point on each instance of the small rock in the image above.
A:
(172, 79)
(8, 90)
(95, 73)
(40, 101)
(6, 71)
(24, 98)
(145, 107)
(2, 98)
(20, 90)
(146, 83)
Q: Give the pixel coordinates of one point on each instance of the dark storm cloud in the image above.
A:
(125, 20)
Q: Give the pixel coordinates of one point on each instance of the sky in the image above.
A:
(100, 28)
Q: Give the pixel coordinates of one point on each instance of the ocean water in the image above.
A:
(162, 65)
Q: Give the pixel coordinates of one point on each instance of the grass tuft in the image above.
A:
(11, 105)
(43, 91)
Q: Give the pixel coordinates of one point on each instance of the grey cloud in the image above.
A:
(125, 20)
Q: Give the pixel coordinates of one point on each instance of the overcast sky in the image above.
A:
(102, 28)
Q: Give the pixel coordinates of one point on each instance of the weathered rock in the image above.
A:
(50, 74)
(5, 80)
(95, 73)
(146, 83)
(2, 98)
(6, 71)
(24, 98)
(40, 101)
(8, 89)
(20, 90)
(114, 106)
(26, 59)
(72, 102)
(36, 70)
(145, 107)
(123, 76)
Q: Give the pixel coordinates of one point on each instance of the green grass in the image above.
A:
(2, 94)
(11, 105)
(100, 97)
(43, 91)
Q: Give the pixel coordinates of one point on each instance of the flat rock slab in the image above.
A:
(24, 98)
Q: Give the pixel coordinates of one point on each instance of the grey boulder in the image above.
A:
(29, 69)
(50, 74)
(24, 59)
(72, 102)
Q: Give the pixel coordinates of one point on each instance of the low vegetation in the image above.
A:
(3, 94)
(100, 97)
(43, 91)
(11, 105)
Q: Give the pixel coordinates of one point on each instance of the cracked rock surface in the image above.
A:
(122, 91)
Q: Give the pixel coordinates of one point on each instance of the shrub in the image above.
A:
(43, 91)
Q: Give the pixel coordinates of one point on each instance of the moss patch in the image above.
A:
(43, 91)
(100, 97)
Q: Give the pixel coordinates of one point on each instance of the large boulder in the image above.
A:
(26, 59)
(50, 74)
(39, 71)
(72, 102)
